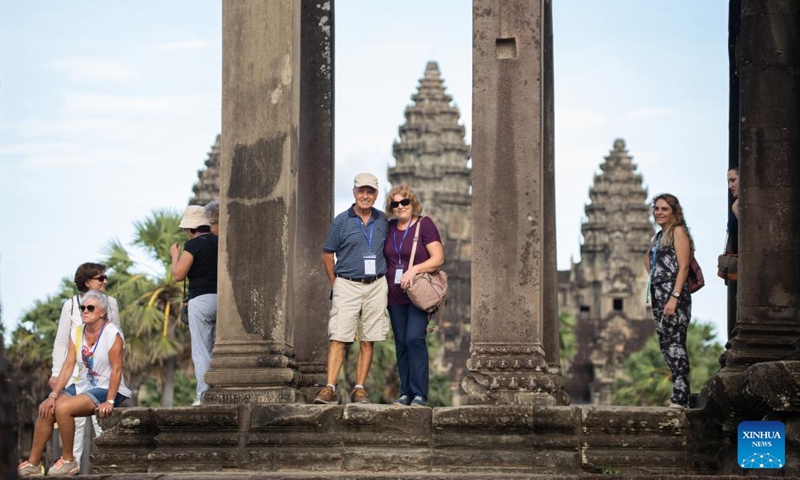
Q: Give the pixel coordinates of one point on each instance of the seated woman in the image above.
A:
(99, 386)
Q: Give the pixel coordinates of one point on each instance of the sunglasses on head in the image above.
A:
(404, 202)
(88, 308)
(100, 278)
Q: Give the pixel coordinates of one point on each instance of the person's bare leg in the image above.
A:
(335, 359)
(41, 435)
(364, 361)
(66, 411)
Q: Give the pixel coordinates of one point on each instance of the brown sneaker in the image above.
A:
(359, 395)
(327, 395)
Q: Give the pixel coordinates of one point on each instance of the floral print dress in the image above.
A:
(672, 329)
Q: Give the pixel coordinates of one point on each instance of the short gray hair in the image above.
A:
(212, 211)
(102, 300)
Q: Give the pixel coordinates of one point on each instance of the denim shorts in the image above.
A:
(98, 395)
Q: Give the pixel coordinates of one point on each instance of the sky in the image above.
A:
(109, 109)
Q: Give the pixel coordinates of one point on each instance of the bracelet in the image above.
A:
(53, 395)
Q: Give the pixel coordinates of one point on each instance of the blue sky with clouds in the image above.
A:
(108, 109)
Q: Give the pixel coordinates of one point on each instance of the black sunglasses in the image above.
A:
(404, 202)
(101, 278)
(89, 308)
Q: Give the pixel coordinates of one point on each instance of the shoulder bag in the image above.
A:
(728, 264)
(185, 306)
(428, 290)
(696, 281)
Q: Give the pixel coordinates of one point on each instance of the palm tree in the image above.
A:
(150, 303)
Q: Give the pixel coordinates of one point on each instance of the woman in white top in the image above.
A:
(88, 276)
(99, 386)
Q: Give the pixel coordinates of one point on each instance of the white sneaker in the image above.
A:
(196, 403)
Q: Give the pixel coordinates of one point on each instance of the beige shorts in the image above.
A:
(359, 308)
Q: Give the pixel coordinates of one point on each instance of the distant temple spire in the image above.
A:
(207, 187)
(606, 289)
(431, 157)
(432, 146)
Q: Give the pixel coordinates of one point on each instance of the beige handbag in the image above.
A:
(428, 290)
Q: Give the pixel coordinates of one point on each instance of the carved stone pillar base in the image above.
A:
(252, 372)
(313, 377)
(512, 374)
(256, 395)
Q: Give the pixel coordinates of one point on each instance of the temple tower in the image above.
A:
(206, 188)
(431, 156)
(607, 287)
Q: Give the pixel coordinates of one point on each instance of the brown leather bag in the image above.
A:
(728, 264)
(428, 290)
(728, 267)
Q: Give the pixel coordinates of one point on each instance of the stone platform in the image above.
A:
(520, 441)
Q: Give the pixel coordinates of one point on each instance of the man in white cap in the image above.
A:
(358, 308)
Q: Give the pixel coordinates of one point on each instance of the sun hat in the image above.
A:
(194, 216)
(366, 180)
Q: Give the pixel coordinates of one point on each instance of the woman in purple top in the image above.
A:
(409, 323)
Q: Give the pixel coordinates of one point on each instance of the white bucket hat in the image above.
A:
(194, 216)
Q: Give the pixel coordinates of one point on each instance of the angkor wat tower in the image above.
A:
(432, 158)
(606, 289)
(206, 188)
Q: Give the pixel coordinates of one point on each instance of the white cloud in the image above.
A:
(187, 45)
(568, 117)
(46, 155)
(97, 69)
(132, 104)
(71, 128)
(645, 113)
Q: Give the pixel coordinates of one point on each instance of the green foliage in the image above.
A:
(648, 381)
(567, 340)
(31, 349)
(185, 387)
(150, 303)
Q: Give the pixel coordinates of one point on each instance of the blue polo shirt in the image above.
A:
(348, 237)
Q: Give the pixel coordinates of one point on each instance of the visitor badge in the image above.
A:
(369, 265)
(398, 275)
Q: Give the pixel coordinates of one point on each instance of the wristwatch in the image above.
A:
(676, 294)
(111, 401)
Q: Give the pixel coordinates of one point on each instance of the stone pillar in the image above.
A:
(768, 324)
(508, 363)
(254, 355)
(549, 258)
(315, 205)
(8, 424)
(734, 19)
(765, 343)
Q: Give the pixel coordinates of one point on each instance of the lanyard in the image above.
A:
(394, 242)
(96, 342)
(369, 240)
(654, 252)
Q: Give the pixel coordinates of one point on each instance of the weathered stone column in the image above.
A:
(315, 200)
(549, 258)
(510, 276)
(768, 324)
(765, 343)
(254, 355)
(8, 417)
